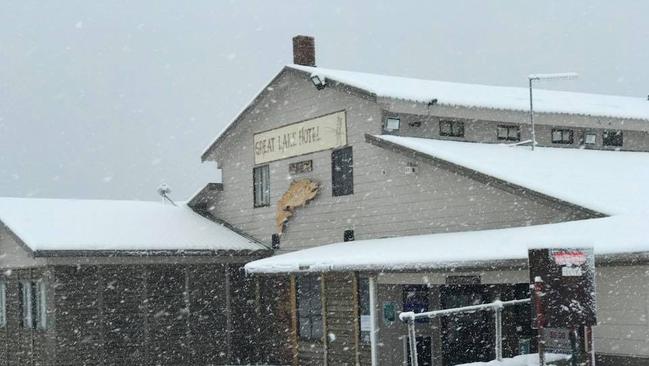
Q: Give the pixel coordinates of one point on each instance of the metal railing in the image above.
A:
(496, 306)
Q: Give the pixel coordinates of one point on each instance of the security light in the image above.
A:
(317, 82)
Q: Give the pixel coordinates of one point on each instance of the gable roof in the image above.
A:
(466, 95)
(488, 96)
(610, 182)
(245, 109)
(46, 225)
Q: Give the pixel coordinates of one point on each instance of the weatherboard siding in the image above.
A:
(481, 129)
(510, 116)
(341, 318)
(386, 201)
(144, 314)
(623, 311)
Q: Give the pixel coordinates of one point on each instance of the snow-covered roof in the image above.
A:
(488, 96)
(609, 236)
(105, 225)
(610, 182)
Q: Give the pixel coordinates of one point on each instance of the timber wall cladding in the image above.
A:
(260, 319)
(341, 318)
(141, 315)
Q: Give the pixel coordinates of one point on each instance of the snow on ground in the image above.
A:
(473, 248)
(66, 224)
(523, 360)
(610, 182)
(487, 96)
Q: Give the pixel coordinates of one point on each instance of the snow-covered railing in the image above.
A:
(497, 306)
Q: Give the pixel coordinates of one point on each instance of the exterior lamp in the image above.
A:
(318, 82)
(534, 77)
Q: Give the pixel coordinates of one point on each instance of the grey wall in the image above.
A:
(165, 314)
(12, 254)
(386, 201)
(623, 311)
(480, 124)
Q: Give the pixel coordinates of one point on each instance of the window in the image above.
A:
(364, 308)
(392, 124)
(41, 305)
(415, 299)
(509, 133)
(261, 186)
(26, 304)
(275, 241)
(590, 138)
(33, 304)
(342, 172)
(348, 235)
(612, 138)
(562, 136)
(451, 128)
(3, 305)
(309, 308)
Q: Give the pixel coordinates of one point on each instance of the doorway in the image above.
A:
(466, 337)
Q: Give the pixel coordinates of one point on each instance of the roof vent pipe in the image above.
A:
(304, 51)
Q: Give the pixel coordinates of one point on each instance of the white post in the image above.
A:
(373, 322)
(532, 115)
(412, 335)
(499, 334)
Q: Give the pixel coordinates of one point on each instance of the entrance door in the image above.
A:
(424, 355)
(466, 337)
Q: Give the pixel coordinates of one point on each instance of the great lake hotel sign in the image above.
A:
(317, 134)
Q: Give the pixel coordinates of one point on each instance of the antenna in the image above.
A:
(163, 191)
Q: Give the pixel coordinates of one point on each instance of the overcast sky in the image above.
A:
(109, 99)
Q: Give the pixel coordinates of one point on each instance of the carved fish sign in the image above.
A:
(299, 193)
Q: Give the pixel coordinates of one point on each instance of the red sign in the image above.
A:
(569, 257)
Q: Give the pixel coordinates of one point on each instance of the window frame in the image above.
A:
(594, 135)
(33, 304)
(40, 304)
(309, 291)
(618, 135)
(263, 185)
(3, 304)
(562, 140)
(363, 293)
(455, 128)
(26, 304)
(345, 188)
(517, 128)
(386, 127)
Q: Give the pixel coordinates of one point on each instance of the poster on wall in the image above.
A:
(317, 134)
(568, 276)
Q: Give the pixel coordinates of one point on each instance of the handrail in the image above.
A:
(408, 315)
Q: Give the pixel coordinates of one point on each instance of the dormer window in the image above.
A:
(508, 133)
(590, 138)
(392, 124)
(451, 128)
(612, 138)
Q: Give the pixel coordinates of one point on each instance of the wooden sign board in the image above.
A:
(317, 134)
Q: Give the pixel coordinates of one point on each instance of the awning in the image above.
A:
(623, 237)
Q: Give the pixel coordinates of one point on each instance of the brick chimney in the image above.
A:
(304, 50)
